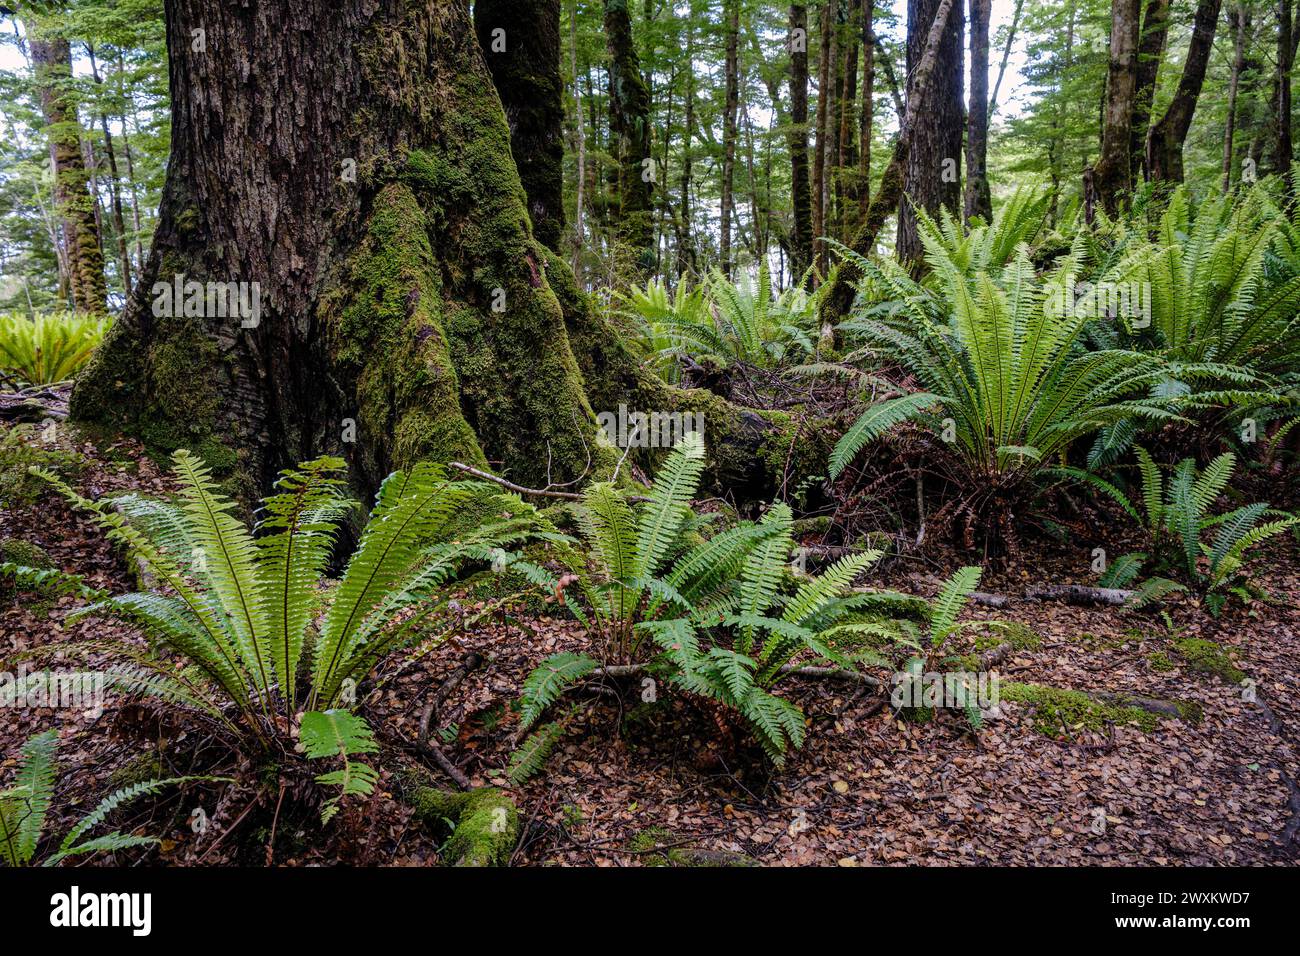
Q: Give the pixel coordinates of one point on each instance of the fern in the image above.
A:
(338, 733)
(545, 684)
(530, 757)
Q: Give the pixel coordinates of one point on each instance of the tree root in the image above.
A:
(484, 822)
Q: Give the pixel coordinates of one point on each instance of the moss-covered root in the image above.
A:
(485, 823)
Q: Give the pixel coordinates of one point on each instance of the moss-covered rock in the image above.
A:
(18, 551)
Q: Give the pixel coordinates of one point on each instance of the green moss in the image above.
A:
(17, 551)
(1160, 661)
(1206, 657)
(1020, 636)
(484, 822)
(1058, 711)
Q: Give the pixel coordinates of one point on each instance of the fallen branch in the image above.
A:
(1079, 594)
(520, 489)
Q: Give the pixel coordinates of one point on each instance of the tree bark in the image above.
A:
(1112, 176)
(629, 99)
(1285, 57)
(114, 182)
(1151, 49)
(1241, 28)
(525, 71)
(74, 203)
(1165, 141)
(352, 167)
(731, 67)
(932, 180)
(825, 26)
(978, 201)
(840, 297)
(866, 118)
(378, 291)
(801, 237)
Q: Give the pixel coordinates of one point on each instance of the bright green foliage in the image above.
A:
(533, 753)
(984, 247)
(23, 808)
(713, 615)
(337, 733)
(1212, 298)
(724, 322)
(50, 348)
(1175, 513)
(241, 606)
(1005, 377)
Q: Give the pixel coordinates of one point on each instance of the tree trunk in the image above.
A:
(1151, 49)
(1241, 28)
(629, 99)
(1285, 57)
(846, 192)
(932, 178)
(732, 69)
(685, 242)
(825, 26)
(920, 92)
(408, 303)
(524, 58)
(357, 179)
(801, 237)
(74, 204)
(867, 117)
(114, 183)
(978, 201)
(1112, 176)
(1165, 141)
(831, 155)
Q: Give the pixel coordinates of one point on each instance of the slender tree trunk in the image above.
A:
(580, 147)
(830, 157)
(1112, 177)
(866, 117)
(1151, 50)
(1285, 57)
(1165, 141)
(629, 100)
(115, 190)
(52, 66)
(933, 174)
(732, 69)
(846, 193)
(801, 239)
(130, 172)
(1241, 28)
(521, 44)
(825, 26)
(685, 242)
(920, 93)
(978, 201)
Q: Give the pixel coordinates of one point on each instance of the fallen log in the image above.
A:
(1079, 594)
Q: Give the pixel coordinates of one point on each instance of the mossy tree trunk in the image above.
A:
(629, 116)
(351, 163)
(521, 43)
(82, 259)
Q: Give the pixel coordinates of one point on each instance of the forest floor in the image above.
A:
(634, 784)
